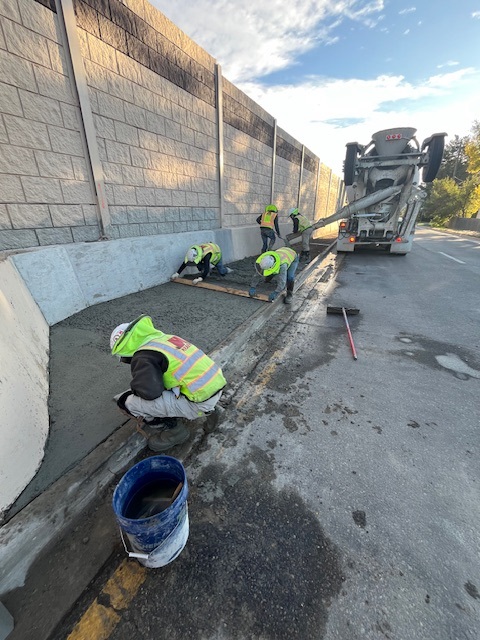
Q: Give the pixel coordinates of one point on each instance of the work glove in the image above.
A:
(272, 296)
(175, 276)
(197, 280)
(251, 292)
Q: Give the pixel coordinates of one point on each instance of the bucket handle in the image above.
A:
(145, 556)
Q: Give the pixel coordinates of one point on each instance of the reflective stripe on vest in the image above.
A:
(189, 368)
(303, 222)
(268, 219)
(214, 249)
(286, 255)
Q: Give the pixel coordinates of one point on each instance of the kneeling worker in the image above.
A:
(302, 225)
(282, 263)
(205, 257)
(171, 379)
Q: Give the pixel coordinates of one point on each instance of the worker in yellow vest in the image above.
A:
(268, 222)
(302, 225)
(171, 378)
(205, 257)
(281, 264)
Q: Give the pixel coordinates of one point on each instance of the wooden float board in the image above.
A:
(223, 289)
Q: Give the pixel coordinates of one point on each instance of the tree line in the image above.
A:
(456, 190)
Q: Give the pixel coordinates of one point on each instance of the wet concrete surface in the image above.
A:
(84, 376)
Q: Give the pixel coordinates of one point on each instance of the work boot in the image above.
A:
(168, 438)
(289, 296)
(211, 423)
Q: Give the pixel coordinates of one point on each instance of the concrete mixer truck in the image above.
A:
(382, 183)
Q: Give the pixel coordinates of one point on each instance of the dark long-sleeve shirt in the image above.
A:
(147, 369)
(275, 223)
(203, 266)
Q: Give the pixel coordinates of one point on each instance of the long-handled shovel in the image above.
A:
(345, 312)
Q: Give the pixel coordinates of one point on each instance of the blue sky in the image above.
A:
(336, 71)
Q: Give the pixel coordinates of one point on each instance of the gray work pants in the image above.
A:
(168, 405)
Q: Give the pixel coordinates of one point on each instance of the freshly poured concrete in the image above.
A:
(84, 376)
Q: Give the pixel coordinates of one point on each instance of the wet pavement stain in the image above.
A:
(257, 564)
(472, 590)
(359, 518)
(459, 362)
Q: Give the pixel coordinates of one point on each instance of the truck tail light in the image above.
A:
(398, 239)
(343, 224)
(351, 239)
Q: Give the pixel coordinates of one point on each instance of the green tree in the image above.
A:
(469, 197)
(442, 202)
(472, 150)
(455, 160)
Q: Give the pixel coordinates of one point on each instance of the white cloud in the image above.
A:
(253, 39)
(406, 32)
(312, 111)
(449, 63)
(405, 11)
(250, 40)
(476, 14)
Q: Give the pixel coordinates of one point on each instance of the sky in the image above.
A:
(337, 71)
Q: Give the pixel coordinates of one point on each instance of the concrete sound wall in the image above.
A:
(114, 124)
(120, 143)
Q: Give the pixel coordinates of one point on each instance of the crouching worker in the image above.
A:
(302, 225)
(281, 263)
(171, 379)
(205, 257)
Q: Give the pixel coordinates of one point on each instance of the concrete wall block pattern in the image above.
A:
(27, 133)
(18, 239)
(126, 133)
(17, 160)
(29, 216)
(45, 190)
(124, 195)
(54, 165)
(25, 43)
(39, 108)
(118, 152)
(137, 215)
(136, 116)
(54, 236)
(67, 215)
(66, 141)
(54, 85)
(5, 222)
(86, 234)
(16, 71)
(133, 176)
(10, 100)
(75, 192)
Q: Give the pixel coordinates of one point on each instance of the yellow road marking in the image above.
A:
(98, 621)
(266, 374)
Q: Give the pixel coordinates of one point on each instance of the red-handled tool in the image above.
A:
(344, 311)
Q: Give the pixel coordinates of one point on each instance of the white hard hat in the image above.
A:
(117, 333)
(191, 255)
(267, 262)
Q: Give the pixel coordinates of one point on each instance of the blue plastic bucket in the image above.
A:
(157, 533)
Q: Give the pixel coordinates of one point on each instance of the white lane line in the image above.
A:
(451, 257)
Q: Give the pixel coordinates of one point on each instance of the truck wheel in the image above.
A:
(435, 151)
(349, 164)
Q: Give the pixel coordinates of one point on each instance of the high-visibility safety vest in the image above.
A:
(284, 255)
(303, 222)
(203, 249)
(214, 249)
(268, 219)
(189, 368)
